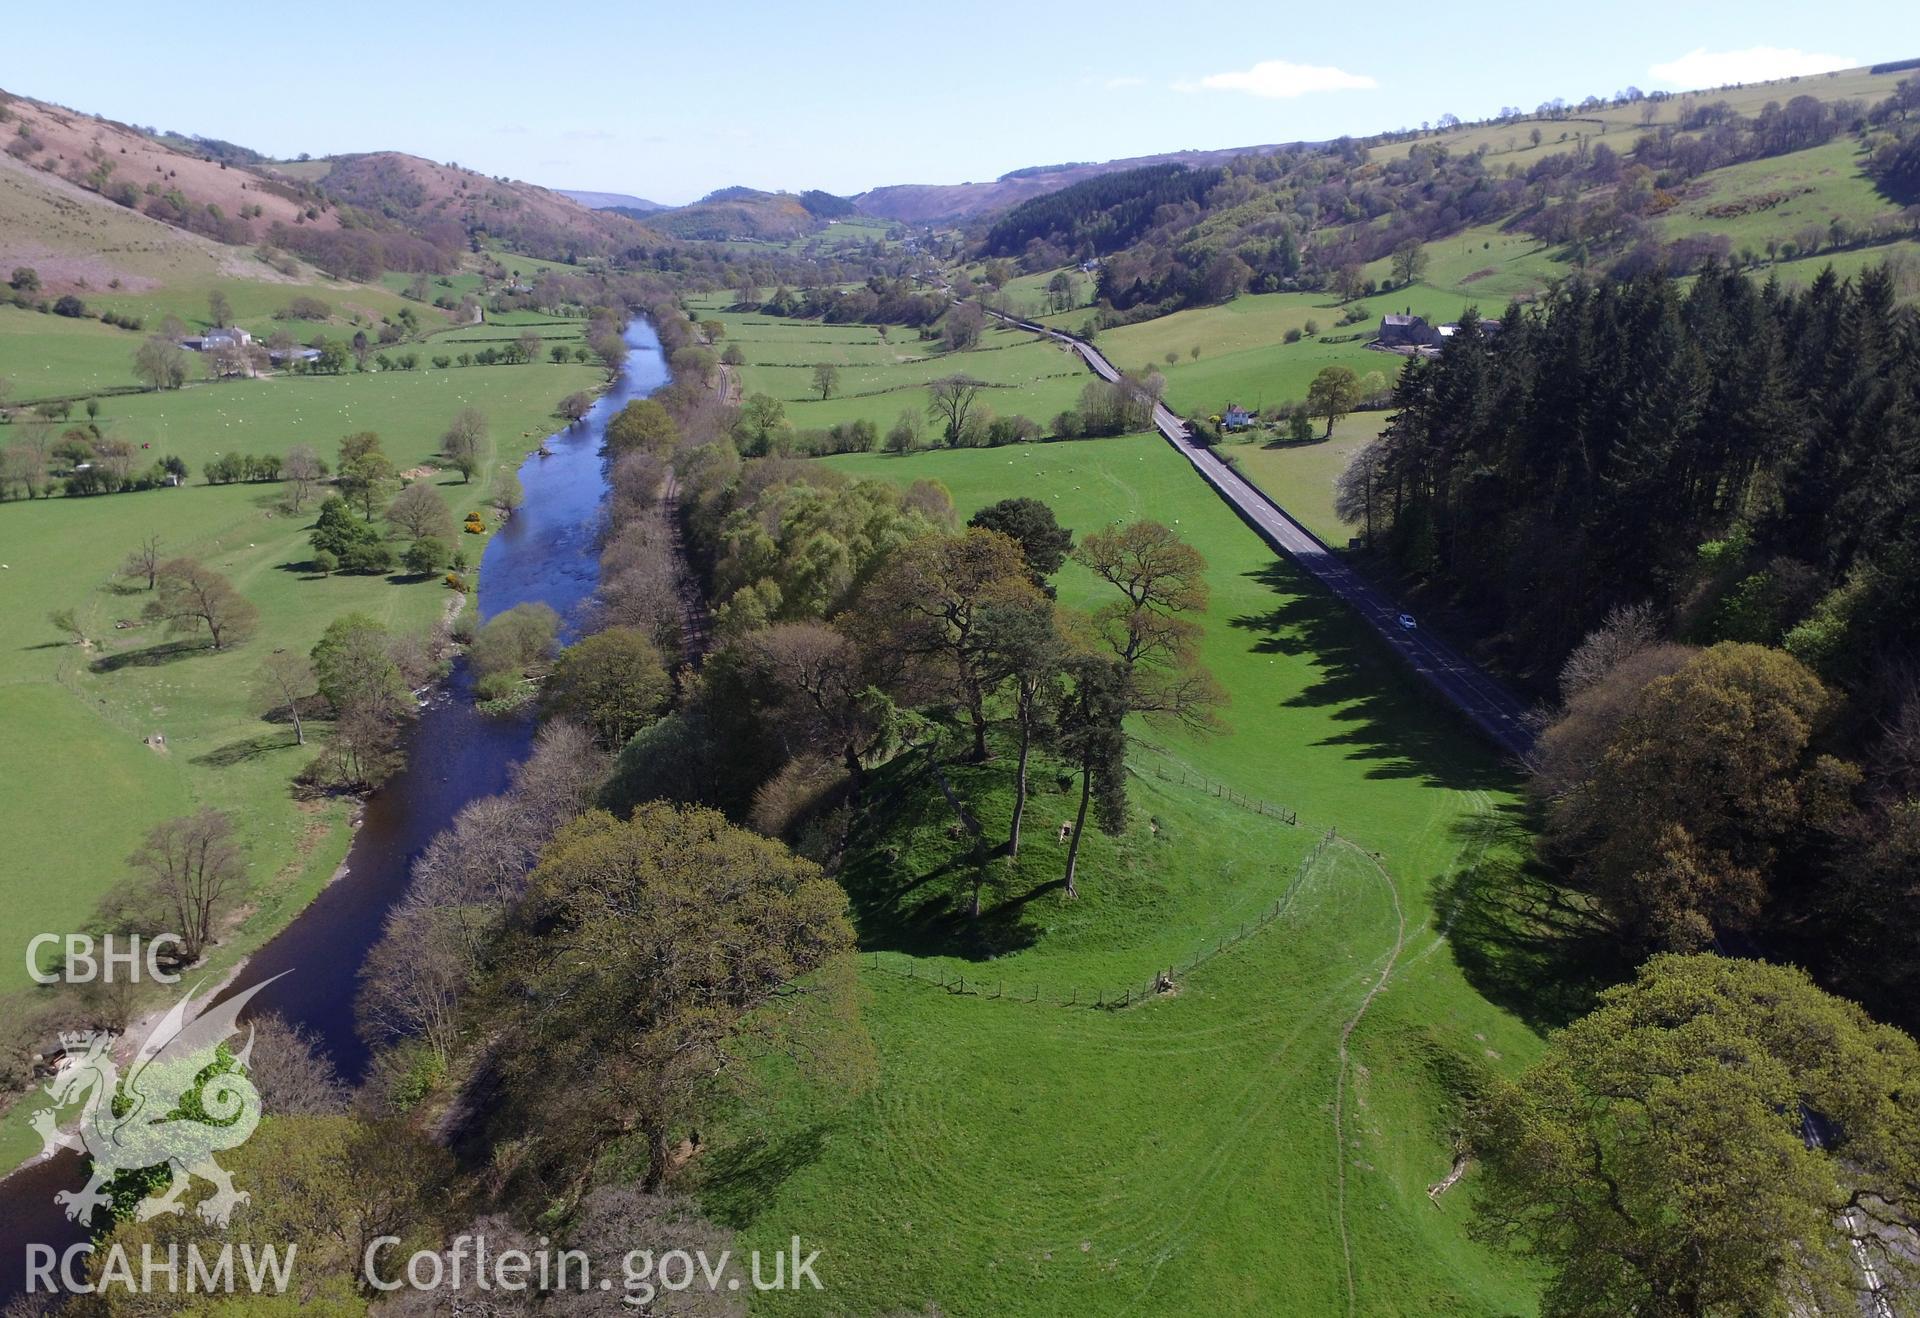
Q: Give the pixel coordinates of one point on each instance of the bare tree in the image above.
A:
(419, 512)
(219, 308)
(951, 399)
(191, 597)
(294, 1078)
(192, 863)
(302, 471)
(144, 561)
(463, 885)
(1627, 630)
(283, 681)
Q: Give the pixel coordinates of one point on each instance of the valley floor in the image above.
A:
(1260, 1139)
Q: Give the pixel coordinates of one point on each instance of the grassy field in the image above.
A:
(82, 717)
(1512, 143)
(1244, 356)
(58, 357)
(1300, 477)
(1808, 188)
(884, 370)
(1210, 1150)
(409, 409)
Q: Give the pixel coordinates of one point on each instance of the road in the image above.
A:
(1487, 703)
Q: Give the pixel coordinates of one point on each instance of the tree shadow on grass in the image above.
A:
(911, 884)
(1387, 714)
(1523, 939)
(153, 656)
(740, 1181)
(248, 748)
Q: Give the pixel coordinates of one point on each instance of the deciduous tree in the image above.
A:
(706, 942)
(284, 679)
(160, 363)
(951, 401)
(418, 512)
(929, 598)
(191, 597)
(367, 474)
(1161, 580)
(613, 682)
(1333, 394)
(303, 473)
(1676, 828)
(643, 426)
(465, 441)
(1409, 261)
(1656, 1159)
(193, 866)
(144, 562)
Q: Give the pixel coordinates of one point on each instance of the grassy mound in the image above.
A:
(1262, 1137)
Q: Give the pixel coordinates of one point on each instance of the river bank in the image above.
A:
(547, 553)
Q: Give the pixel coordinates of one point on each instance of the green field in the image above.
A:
(409, 409)
(1244, 356)
(59, 357)
(885, 370)
(1511, 143)
(1177, 1156)
(1300, 477)
(84, 785)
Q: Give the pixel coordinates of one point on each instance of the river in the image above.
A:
(546, 553)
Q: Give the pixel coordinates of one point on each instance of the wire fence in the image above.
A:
(1099, 997)
(1225, 793)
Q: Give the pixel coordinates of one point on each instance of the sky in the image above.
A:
(669, 101)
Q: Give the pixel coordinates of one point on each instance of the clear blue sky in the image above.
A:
(671, 100)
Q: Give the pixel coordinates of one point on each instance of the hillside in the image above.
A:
(122, 168)
(77, 239)
(735, 214)
(609, 201)
(450, 205)
(926, 203)
(1798, 169)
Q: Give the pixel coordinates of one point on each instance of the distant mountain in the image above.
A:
(612, 201)
(925, 203)
(737, 213)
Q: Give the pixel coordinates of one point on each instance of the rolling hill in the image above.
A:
(444, 201)
(927, 203)
(611, 201)
(87, 200)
